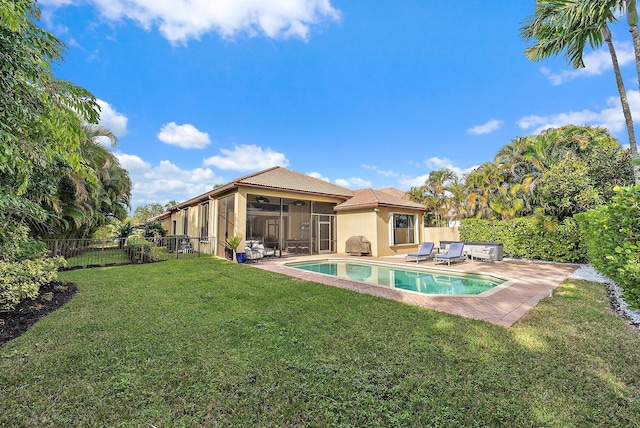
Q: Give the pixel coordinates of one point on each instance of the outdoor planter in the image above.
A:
(241, 257)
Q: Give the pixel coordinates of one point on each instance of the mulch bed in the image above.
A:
(52, 296)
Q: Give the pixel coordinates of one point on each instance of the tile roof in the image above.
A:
(395, 192)
(280, 178)
(371, 198)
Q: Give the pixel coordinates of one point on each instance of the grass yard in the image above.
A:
(106, 256)
(204, 342)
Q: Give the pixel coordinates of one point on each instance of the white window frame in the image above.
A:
(392, 228)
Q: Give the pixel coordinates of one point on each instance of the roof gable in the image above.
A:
(280, 178)
(371, 198)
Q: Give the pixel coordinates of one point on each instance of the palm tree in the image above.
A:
(482, 185)
(95, 195)
(567, 25)
(457, 191)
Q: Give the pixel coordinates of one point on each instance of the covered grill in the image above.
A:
(358, 246)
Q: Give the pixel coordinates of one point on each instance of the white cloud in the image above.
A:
(132, 163)
(610, 117)
(595, 63)
(318, 176)
(111, 119)
(247, 158)
(181, 20)
(435, 163)
(185, 136)
(408, 182)
(165, 181)
(388, 173)
(353, 182)
(487, 128)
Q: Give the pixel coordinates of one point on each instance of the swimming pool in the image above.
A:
(420, 280)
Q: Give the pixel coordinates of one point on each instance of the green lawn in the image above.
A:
(103, 257)
(204, 342)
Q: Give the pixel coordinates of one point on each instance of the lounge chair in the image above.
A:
(425, 252)
(454, 254)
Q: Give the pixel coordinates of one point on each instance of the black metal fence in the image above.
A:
(82, 253)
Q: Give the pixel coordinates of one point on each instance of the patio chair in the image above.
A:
(254, 251)
(482, 253)
(425, 252)
(454, 254)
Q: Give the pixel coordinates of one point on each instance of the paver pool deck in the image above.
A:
(530, 282)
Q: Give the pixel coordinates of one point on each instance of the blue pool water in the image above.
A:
(419, 280)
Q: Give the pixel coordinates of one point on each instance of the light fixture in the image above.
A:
(299, 203)
(262, 199)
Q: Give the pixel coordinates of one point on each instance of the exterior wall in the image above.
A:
(384, 233)
(374, 224)
(240, 221)
(437, 234)
(166, 224)
(357, 223)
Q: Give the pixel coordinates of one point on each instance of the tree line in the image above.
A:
(553, 175)
(57, 177)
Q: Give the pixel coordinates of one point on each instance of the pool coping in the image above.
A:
(507, 281)
(529, 282)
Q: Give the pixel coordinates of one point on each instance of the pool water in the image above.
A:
(419, 280)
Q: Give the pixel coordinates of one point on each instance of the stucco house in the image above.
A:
(293, 213)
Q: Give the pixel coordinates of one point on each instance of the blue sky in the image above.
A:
(362, 94)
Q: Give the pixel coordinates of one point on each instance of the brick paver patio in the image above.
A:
(531, 282)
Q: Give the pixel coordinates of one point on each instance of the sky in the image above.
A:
(359, 93)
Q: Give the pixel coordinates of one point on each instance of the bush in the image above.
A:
(140, 250)
(612, 239)
(527, 237)
(20, 280)
(24, 267)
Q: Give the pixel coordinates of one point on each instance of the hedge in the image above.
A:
(612, 240)
(527, 238)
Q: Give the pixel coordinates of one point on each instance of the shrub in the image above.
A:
(527, 237)
(612, 239)
(20, 280)
(24, 267)
(140, 250)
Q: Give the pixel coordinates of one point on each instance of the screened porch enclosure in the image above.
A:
(291, 226)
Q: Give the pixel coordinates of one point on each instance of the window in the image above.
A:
(226, 219)
(185, 221)
(204, 221)
(403, 229)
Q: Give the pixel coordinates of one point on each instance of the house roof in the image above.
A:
(372, 198)
(395, 192)
(279, 178)
(276, 178)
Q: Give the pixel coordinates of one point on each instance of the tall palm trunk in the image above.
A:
(632, 20)
(626, 110)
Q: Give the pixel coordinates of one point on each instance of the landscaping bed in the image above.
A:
(52, 296)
